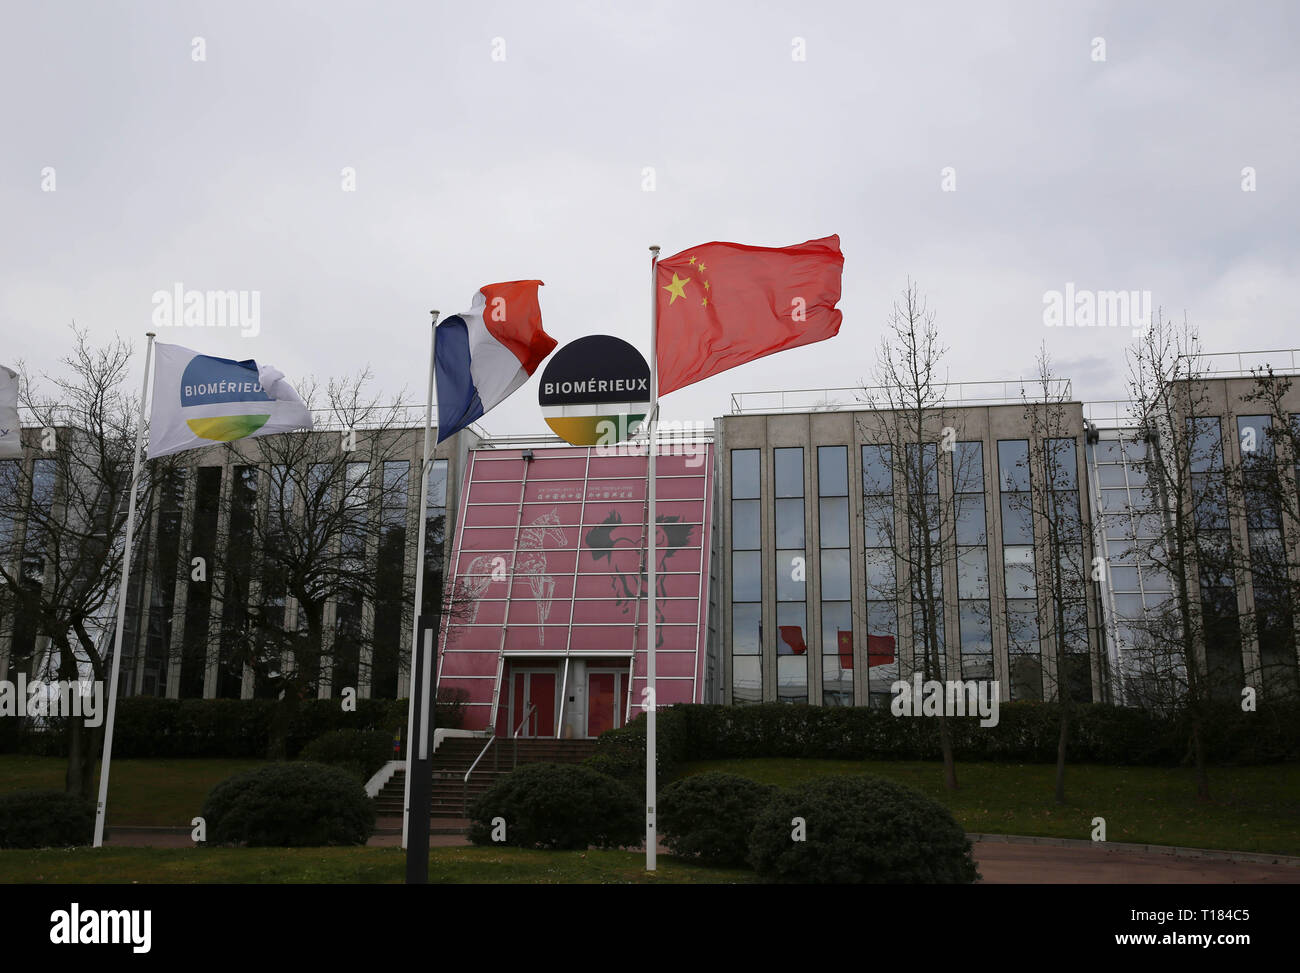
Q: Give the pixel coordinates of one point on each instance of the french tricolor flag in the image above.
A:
(484, 354)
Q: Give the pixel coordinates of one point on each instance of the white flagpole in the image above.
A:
(107, 759)
(651, 704)
(419, 579)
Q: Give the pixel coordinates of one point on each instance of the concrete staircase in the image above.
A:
(453, 758)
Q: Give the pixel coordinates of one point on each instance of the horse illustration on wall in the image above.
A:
(530, 564)
(623, 547)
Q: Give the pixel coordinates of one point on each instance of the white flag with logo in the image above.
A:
(199, 400)
(11, 440)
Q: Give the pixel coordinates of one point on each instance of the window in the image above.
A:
(1019, 575)
(744, 474)
(1013, 464)
(975, 620)
(746, 579)
(836, 590)
(745, 525)
(791, 570)
(880, 577)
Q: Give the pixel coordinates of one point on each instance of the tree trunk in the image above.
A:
(945, 746)
(1062, 739)
(277, 747)
(1198, 749)
(83, 750)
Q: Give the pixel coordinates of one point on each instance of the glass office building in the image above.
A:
(788, 570)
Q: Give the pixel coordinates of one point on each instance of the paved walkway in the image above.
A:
(1001, 861)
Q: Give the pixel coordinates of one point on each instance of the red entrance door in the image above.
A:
(538, 689)
(606, 697)
(600, 703)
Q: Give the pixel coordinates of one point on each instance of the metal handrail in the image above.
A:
(464, 784)
(1290, 364)
(514, 737)
(867, 398)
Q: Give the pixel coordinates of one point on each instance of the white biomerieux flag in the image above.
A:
(11, 440)
(199, 400)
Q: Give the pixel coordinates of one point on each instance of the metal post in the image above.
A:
(101, 808)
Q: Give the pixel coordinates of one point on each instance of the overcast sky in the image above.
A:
(225, 173)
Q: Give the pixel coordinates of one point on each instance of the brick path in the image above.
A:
(1000, 861)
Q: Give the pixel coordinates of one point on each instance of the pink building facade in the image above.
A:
(546, 630)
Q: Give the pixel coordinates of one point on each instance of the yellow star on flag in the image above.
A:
(677, 288)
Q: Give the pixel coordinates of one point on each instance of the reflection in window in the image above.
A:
(789, 523)
(1013, 464)
(970, 519)
(788, 463)
(744, 474)
(747, 679)
(1020, 579)
(972, 573)
(746, 629)
(832, 471)
(745, 525)
(1206, 449)
(746, 576)
(792, 679)
(833, 517)
(1017, 519)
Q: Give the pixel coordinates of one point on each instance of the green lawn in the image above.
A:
(1252, 808)
(144, 793)
(178, 866)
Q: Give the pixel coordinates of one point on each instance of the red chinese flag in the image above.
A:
(844, 640)
(880, 650)
(724, 304)
(792, 635)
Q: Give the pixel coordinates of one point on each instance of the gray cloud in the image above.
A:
(226, 174)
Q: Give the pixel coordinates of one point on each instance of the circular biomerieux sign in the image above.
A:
(595, 391)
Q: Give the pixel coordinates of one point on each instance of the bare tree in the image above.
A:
(313, 585)
(1054, 504)
(914, 430)
(65, 511)
(1183, 464)
(1266, 484)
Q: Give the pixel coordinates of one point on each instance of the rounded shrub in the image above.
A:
(359, 752)
(860, 829)
(45, 819)
(289, 805)
(710, 816)
(557, 806)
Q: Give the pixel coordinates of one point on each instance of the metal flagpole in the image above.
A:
(419, 582)
(651, 836)
(107, 759)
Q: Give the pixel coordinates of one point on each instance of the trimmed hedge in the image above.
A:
(289, 805)
(857, 830)
(621, 753)
(45, 819)
(1026, 733)
(710, 816)
(558, 806)
(151, 727)
(359, 752)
